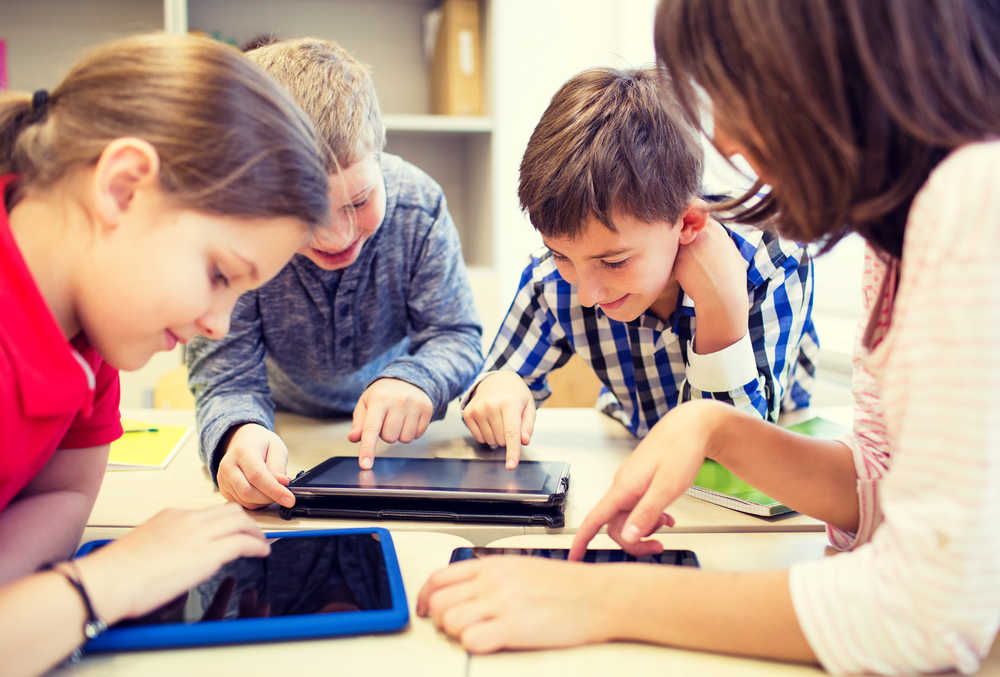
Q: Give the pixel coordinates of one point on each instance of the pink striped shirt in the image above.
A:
(920, 589)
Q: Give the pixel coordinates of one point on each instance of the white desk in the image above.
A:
(744, 551)
(590, 442)
(417, 650)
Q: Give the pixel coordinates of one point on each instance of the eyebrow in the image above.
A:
(610, 253)
(357, 196)
(254, 273)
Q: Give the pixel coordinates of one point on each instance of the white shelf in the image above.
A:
(439, 124)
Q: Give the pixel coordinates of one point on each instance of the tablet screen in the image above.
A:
(303, 575)
(432, 475)
(675, 557)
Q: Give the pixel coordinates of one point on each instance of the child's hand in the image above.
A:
(521, 603)
(502, 413)
(390, 408)
(660, 469)
(252, 471)
(165, 556)
(711, 270)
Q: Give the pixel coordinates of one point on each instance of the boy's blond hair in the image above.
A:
(334, 89)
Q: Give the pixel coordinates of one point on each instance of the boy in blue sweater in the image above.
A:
(665, 303)
(374, 318)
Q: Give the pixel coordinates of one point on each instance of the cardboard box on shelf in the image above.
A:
(456, 62)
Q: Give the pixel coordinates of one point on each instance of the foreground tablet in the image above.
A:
(313, 584)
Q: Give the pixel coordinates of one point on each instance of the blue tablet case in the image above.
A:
(277, 628)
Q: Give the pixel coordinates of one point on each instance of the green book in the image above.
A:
(717, 485)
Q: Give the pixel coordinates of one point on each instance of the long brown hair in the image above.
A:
(231, 141)
(846, 105)
(609, 141)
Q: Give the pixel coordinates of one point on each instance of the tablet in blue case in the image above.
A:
(316, 583)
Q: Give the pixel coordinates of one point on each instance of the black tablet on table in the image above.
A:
(315, 583)
(684, 558)
(450, 489)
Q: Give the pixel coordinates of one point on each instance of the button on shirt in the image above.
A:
(54, 394)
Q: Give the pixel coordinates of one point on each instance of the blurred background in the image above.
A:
(461, 83)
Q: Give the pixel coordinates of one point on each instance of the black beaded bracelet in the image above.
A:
(94, 624)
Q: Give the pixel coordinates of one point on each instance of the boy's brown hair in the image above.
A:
(607, 142)
(334, 89)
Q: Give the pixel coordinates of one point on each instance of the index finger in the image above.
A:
(370, 430)
(512, 434)
(606, 508)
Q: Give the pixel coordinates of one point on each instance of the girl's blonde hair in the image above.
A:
(230, 140)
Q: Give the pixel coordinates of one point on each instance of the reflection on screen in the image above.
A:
(676, 557)
(435, 473)
(302, 575)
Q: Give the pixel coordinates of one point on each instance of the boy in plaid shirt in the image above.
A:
(665, 303)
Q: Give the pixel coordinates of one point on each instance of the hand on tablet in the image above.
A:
(392, 409)
(660, 469)
(522, 602)
(165, 556)
(501, 413)
(252, 471)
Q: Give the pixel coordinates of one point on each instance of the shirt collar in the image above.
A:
(53, 378)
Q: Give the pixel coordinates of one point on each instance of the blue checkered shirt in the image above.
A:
(643, 364)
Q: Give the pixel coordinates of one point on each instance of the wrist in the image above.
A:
(721, 427)
(103, 587)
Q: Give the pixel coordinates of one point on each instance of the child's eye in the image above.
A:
(615, 264)
(359, 205)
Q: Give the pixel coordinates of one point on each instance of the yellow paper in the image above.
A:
(139, 450)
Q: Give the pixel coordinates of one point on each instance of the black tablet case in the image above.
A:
(432, 509)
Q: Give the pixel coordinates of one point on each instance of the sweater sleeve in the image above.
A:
(229, 380)
(923, 594)
(444, 329)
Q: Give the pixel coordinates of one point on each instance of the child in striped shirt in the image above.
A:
(881, 119)
(665, 303)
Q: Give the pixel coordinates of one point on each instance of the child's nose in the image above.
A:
(215, 323)
(336, 235)
(590, 291)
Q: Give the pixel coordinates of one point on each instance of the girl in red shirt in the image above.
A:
(164, 177)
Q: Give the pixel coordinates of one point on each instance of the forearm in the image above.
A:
(706, 610)
(721, 321)
(41, 622)
(41, 528)
(815, 477)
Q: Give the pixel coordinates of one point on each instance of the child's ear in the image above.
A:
(126, 166)
(692, 221)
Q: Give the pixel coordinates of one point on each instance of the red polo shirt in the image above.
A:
(54, 394)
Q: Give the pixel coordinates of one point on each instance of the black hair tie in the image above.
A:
(39, 104)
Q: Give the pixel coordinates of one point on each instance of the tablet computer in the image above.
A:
(536, 482)
(684, 558)
(314, 583)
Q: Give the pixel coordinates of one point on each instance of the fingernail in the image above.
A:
(630, 534)
(366, 463)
